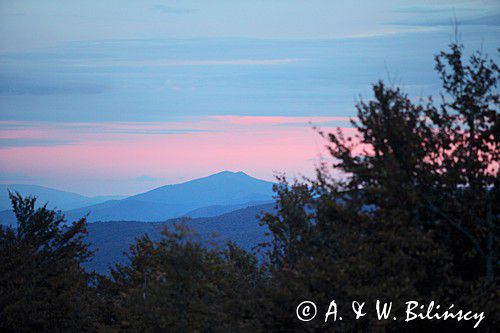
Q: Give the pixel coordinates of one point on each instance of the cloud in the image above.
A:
(433, 21)
(171, 10)
(433, 10)
(26, 142)
(491, 20)
(184, 63)
(282, 120)
(22, 134)
(156, 131)
(13, 86)
(15, 125)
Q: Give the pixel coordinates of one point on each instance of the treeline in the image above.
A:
(415, 217)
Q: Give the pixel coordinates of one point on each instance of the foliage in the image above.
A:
(179, 285)
(42, 284)
(417, 215)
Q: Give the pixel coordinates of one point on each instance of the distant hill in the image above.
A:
(216, 210)
(55, 198)
(7, 217)
(111, 239)
(215, 194)
(223, 208)
(130, 210)
(222, 188)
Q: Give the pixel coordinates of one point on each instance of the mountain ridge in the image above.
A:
(225, 188)
(55, 198)
(211, 195)
(111, 240)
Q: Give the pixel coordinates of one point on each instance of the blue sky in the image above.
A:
(158, 64)
(35, 23)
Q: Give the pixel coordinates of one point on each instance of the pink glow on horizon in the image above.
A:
(106, 158)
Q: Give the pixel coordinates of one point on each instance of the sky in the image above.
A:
(119, 97)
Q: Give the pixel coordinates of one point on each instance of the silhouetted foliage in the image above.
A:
(416, 217)
(43, 287)
(176, 284)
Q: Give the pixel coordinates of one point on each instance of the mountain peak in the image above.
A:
(226, 188)
(234, 175)
(230, 173)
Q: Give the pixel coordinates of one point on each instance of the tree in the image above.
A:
(179, 285)
(415, 217)
(43, 286)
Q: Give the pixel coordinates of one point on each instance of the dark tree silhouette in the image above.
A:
(416, 216)
(43, 287)
(178, 285)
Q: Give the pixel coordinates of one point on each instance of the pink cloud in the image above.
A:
(109, 153)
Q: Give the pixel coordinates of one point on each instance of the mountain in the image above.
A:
(229, 202)
(224, 187)
(215, 210)
(8, 218)
(128, 210)
(219, 191)
(110, 240)
(55, 198)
